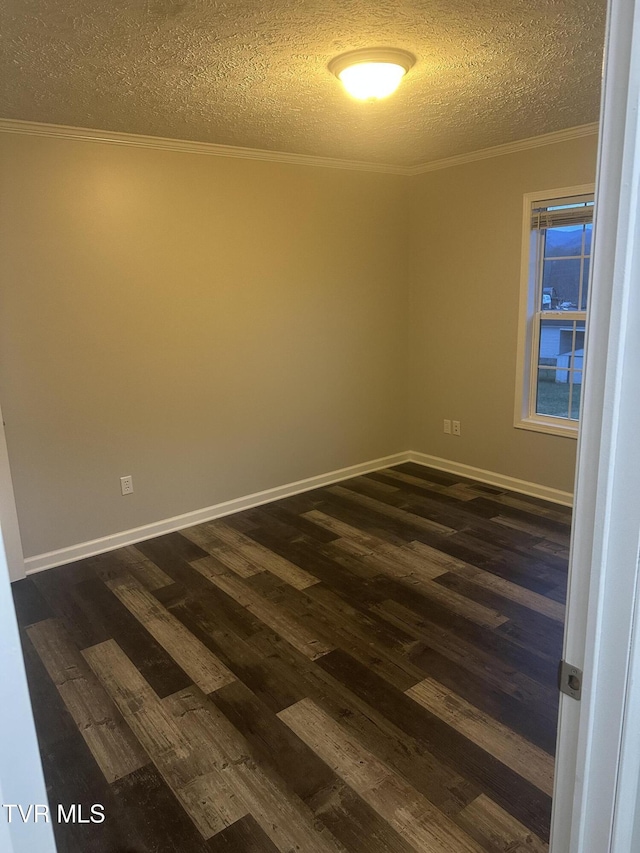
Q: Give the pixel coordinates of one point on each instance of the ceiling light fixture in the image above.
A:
(371, 73)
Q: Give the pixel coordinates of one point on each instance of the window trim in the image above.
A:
(528, 330)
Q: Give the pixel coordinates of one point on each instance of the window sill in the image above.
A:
(555, 427)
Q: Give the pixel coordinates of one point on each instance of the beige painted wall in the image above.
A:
(215, 327)
(211, 326)
(465, 277)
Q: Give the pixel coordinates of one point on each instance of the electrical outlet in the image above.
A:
(126, 484)
(456, 427)
(447, 426)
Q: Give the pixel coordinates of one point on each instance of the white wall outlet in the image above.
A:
(456, 427)
(126, 484)
(447, 426)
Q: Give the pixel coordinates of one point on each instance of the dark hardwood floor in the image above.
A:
(369, 667)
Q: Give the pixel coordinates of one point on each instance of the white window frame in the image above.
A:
(525, 416)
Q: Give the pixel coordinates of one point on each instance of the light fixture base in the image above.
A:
(396, 56)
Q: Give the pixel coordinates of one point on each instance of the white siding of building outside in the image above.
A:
(550, 341)
(564, 360)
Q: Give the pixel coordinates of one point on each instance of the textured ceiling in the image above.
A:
(254, 72)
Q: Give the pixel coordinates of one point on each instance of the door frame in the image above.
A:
(21, 778)
(596, 786)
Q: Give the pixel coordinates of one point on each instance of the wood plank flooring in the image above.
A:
(366, 668)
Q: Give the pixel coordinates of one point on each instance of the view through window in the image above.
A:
(565, 252)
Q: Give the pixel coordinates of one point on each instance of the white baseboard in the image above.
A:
(40, 562)
(524, 487)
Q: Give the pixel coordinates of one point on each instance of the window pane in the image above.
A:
(560, 284)
(555, 337)
(576, 390)
(552, 397)
(585, 284)
(560, 365)
(561, 242)
(587, 239)
(561, 344)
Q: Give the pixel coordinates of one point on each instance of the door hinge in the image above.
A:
(570, 680)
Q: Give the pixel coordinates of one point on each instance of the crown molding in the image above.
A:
(508, 148)
(60, 131)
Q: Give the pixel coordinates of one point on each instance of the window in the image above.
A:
(553, 309)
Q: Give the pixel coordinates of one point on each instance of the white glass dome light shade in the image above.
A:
(371, 74)
(369, 81)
